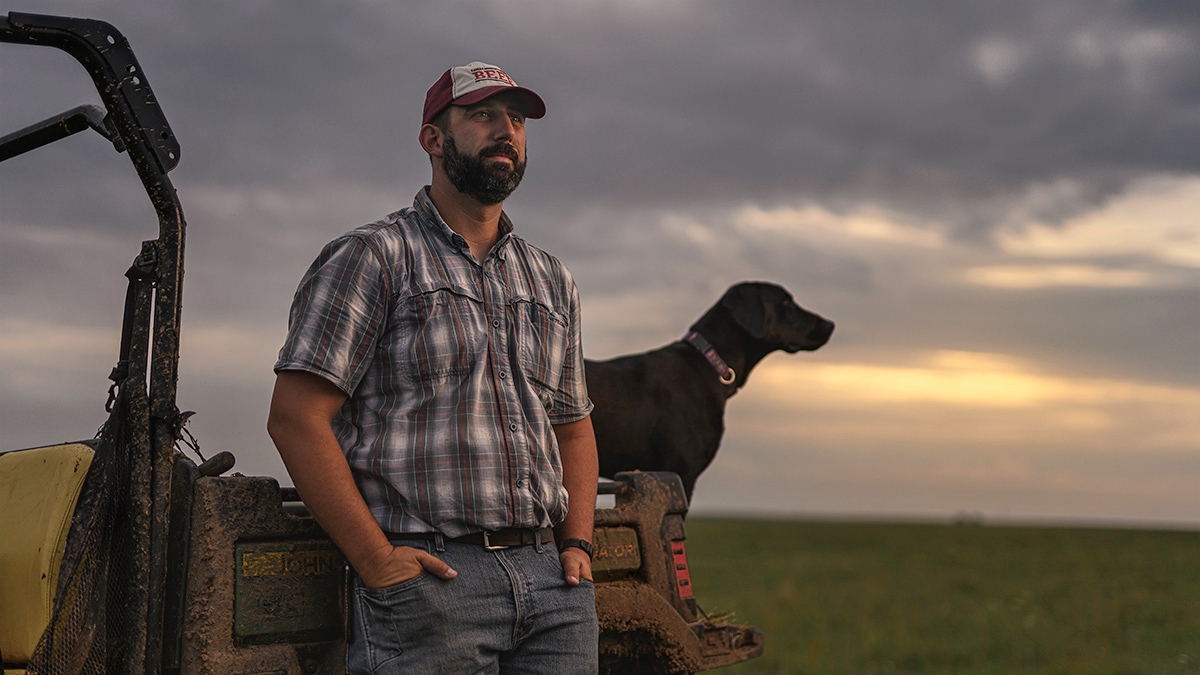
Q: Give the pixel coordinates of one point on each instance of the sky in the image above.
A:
(995, 202)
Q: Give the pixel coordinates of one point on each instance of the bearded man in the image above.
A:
(430, 406)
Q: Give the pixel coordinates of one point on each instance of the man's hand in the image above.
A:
(393, 565)
(576, 565)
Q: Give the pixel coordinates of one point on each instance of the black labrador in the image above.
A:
(664, 410)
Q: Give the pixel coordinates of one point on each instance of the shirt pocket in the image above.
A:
(542, 335)
(440, 334)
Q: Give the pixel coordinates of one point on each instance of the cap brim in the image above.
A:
(536, 109)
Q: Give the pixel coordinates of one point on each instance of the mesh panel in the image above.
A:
(89, 613)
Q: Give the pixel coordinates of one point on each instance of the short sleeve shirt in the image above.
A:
(455, 371)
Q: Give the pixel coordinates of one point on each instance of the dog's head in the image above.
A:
(767, 312)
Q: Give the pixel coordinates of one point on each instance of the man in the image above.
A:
(430, 407)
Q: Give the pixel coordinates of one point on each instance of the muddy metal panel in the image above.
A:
(284, 591)
(264, 587)
(649, 618)
(617, 555)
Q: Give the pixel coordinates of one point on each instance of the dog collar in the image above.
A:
(710, 352)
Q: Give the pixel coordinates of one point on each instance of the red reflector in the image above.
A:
(683, 578)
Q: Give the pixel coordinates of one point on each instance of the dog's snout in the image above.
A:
(822, 332)
(818, 332)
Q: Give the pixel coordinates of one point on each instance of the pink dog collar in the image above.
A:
(705, 347)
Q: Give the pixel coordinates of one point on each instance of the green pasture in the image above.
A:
(854, 598)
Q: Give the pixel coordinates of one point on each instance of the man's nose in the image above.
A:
(503, 128)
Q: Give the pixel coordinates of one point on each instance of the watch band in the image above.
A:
(581, 544)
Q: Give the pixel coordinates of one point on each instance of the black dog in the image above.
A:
(664, 410)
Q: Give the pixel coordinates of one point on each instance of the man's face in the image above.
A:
(492, 162)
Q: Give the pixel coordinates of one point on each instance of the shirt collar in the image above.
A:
(432, 219)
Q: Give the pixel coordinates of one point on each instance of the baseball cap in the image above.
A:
(470, 84)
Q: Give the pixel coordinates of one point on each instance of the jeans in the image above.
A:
(508, 611)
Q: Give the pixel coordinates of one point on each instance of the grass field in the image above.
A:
(850, 598)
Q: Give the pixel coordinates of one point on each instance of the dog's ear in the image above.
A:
(745, 304)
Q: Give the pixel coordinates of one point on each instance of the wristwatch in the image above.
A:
(581, 544)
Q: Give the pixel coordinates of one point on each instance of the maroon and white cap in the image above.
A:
(470, 84)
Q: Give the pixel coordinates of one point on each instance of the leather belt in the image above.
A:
(505, 538)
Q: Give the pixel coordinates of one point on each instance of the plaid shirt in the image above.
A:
(455, 371)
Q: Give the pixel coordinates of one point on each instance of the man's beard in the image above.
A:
(487, 184)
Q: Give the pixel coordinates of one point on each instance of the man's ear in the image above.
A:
(431, 138)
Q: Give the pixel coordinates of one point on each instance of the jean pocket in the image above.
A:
(399, 587)
(381, 613)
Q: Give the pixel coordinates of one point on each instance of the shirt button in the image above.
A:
(503, 375)
(512, 427)
(496, 323)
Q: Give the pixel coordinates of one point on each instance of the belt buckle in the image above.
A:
(487, 544)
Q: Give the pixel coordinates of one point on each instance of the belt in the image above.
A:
(490, 540)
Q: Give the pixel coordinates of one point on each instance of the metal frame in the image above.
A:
(132, 119)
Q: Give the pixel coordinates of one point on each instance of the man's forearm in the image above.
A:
(301, 410)
(324, 481)
(577, 449)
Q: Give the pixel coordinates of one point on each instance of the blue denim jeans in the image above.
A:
(508, 611)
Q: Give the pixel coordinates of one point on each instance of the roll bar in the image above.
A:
(133, 120)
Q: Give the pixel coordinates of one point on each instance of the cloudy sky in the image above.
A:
(996, 202)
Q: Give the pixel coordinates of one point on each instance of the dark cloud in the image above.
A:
(950, 112)
(932, 109)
